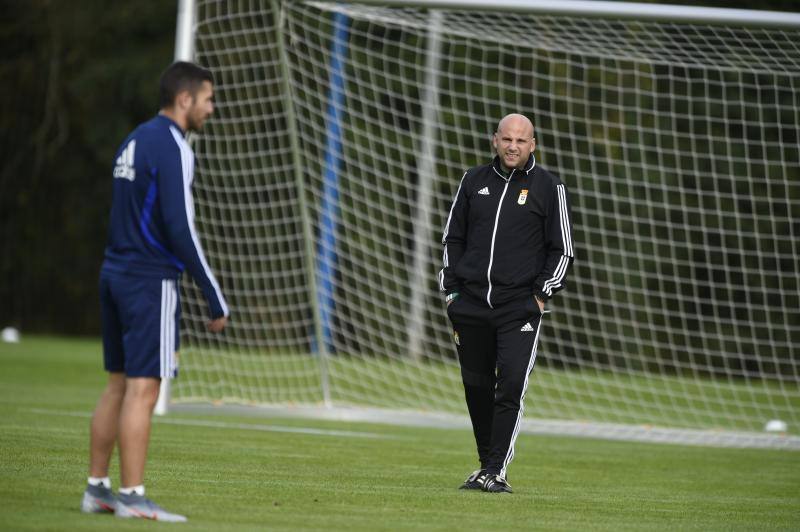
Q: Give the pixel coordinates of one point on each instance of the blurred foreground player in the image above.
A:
(151, 241)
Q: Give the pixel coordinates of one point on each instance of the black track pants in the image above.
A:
(497, 350)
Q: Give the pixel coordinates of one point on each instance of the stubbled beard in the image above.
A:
(193, 125)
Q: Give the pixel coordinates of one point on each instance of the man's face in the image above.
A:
(514, 142)
(201, 108)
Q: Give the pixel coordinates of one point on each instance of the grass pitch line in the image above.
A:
(238, 426)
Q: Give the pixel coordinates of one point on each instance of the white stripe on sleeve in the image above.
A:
(566, 234)
(450, 214)
(187, 166)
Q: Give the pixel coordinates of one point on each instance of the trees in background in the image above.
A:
(77, 76)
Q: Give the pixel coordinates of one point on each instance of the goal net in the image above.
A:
(341, 132)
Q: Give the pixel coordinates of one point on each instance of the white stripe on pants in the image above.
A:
(169, 304)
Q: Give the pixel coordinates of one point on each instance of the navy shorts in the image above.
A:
(140, 318)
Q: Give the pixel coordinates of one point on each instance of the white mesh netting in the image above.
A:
(340, 135)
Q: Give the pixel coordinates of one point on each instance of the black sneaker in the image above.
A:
(474, 481)
(496, 484)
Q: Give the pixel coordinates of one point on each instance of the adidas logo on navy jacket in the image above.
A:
(124, 167)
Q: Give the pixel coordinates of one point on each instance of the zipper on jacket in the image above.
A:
(494, 235)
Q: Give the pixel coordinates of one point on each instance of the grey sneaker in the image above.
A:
(140, 506)
(98, 500)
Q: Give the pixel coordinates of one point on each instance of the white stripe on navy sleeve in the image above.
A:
(187, 167)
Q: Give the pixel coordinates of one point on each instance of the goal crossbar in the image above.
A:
(620, 10)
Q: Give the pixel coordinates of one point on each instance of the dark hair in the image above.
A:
(178, 77)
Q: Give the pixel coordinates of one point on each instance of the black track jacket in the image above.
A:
(507, 237)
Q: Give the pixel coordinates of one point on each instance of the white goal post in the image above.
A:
(342, 129)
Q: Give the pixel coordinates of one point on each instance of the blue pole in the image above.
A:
(326, 255)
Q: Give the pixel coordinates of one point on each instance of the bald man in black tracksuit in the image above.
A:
(507, 250)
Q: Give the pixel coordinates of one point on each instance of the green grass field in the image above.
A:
(689, 401)
(249, 473)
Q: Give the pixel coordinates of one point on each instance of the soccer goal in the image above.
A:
(340, 135)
